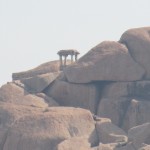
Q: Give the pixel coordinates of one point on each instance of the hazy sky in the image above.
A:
(32, 31)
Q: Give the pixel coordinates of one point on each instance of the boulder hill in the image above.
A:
(101, 102)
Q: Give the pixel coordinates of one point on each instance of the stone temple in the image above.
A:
(64, 53)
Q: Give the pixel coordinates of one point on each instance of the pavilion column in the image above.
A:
(60, 58)
(65, 60)
(76, 57)
(71, 58)
(63, 54)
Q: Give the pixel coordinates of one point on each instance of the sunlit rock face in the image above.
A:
(48, 67)
(108, 61)
(139, 135)
(44, 129)
(12, 93)
(138, 44)
(38, 83)
(76, 95)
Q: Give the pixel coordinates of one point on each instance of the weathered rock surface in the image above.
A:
(119, 89)
(10, 114)
(129, 146)
(106, 146)
(146, 147)
(116, 103)
(74, 144)
(11, 93)
(114, 146)
(52, 66)
(108, 61)
(43, 131)
(127, 89)
(51, 102)
(137, 114)
(140, 135)
(142, 89)
(37, 84)
(138, 42)
(111, 80)
(76, 95)
(115, 109)
(115, 100)
(109, 133)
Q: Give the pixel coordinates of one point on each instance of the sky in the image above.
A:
(33, 31)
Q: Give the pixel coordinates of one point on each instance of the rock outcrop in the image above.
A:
(76, 95)
(140, 135)
(109, 133)
(51, 102)
(101, 102)
(52, 66)
(138, 43)
(145, 147)
(11, 93)
(137, 113)
(115, 109)
(74, 144)
(37, 84)
(44, 130)
(108, 61)
(125, 103)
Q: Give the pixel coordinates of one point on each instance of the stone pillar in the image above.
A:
(76, 57)
(60, 58)
(71, 58)
(65, 60)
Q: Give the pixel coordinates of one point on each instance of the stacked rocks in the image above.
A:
(101, 102)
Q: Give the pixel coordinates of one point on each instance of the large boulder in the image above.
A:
(140, 135)
(142, 89)
(48, 67)
(37, 84)
(114, 146)
(76, 95)
(44, 131)
(108, 61)
(116, 102)
(137, 113)
(106, 146)
(10, 114)
(11, 93)
(51, 102)
(138, 42)
(109, 133)
(127, 89)
(146, 147)
(74, 144)
(113, 108)
(128, 146)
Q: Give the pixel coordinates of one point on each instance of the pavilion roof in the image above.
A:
(68, 52)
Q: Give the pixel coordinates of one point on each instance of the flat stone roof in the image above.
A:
(68, 52)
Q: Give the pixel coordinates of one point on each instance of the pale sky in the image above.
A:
(32, 31)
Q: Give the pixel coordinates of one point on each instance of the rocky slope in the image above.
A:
(102, 102)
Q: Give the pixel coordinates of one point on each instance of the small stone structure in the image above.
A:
(65, 53)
